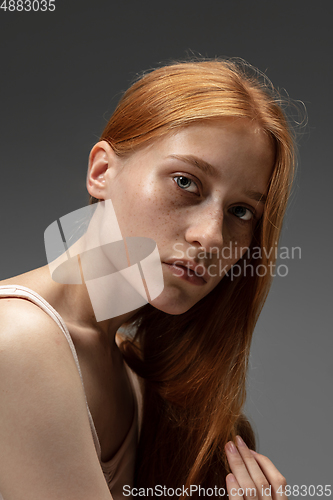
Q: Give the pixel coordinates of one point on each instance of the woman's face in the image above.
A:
(198, 193)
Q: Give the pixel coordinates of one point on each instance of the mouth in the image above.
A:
(196, 275)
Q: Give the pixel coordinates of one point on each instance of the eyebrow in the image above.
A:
(208, 169)
(255, 195)
(197, 162)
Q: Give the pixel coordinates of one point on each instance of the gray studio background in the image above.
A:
(61, 76)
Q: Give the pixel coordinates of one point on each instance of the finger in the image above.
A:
(240, 471)
(275, 478)
(260, 480)
(233, 488)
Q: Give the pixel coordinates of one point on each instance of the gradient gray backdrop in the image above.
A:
(61, 75)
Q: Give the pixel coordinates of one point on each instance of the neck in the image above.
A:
(77, 310)
(72, 303)
(101, 307)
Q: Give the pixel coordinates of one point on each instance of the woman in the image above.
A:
(197, 156)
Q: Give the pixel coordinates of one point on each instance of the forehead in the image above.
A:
(228, 145)
(238, 151)
(226, 136)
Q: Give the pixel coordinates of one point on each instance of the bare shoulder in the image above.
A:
(44, 426)
(26, 328)
(35, 361)
(15, 310)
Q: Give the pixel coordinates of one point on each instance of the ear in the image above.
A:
(101, 158)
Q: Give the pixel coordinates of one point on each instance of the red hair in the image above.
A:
(194, 365)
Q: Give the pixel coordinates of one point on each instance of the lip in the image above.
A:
(198, 274)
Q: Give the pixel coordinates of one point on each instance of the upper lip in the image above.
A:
(198, 269)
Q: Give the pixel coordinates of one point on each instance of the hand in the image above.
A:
(253, 475)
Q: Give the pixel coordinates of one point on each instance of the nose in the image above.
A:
(205, 230)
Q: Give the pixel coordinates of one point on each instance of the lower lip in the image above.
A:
(183, 273)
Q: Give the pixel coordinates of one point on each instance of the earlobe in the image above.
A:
(101, 158)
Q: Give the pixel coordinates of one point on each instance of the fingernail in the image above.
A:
(254, 452)
(240, 441)
(231, 447)
(231, 478)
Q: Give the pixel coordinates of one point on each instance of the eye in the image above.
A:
(186, 184)
(242, 213)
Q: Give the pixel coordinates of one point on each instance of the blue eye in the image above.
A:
(186, 183)
(242, 213)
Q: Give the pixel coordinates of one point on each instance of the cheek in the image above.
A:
(144, 209)
(236, 243)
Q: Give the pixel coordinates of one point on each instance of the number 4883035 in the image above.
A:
(28, 5)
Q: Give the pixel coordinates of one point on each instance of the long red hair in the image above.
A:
(194, 365)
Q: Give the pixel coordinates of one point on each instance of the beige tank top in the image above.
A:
(118, 471)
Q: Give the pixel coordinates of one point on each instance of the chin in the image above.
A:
(173, 306)
(173, 311)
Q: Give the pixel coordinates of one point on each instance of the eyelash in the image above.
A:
(185, 177)
(231, 209)
(240, 218)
